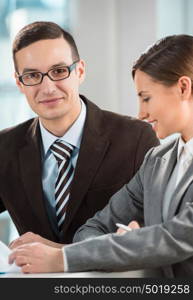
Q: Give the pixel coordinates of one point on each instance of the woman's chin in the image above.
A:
(161, 135)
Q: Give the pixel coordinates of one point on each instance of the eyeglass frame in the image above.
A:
(70, 69)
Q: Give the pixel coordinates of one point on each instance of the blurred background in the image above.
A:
(110, 35)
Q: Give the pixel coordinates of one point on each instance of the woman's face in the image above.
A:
(162, 106)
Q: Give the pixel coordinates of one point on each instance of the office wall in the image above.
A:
(110, 35)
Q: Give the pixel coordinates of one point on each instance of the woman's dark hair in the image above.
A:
(168, 59)
(37, 31)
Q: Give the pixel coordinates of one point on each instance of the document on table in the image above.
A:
(4, 265)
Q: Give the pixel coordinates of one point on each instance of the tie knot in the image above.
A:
(61, 150)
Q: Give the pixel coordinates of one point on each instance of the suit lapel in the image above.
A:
(31, 170)
(177, 197)
(161, 174)
(93, 148)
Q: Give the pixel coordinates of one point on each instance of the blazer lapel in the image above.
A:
(160, 176)
(93, 148)
(31, 170)
(177, 197)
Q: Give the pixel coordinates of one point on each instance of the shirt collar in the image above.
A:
(188, 146)
(73, 136)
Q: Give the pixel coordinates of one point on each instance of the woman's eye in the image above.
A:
(146, 99)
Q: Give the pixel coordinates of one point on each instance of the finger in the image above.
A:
(21, 261)
(17, 252)
(26, 268)
(28, 237)
(16, 243)
(134, 225)
(11, 243)
(120, 231)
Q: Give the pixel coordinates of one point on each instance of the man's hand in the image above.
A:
(30, 237)
(37, 258)
(132, 225)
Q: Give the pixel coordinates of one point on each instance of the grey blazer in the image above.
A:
(159, 244)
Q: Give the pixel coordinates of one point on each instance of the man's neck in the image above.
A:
(60, 126)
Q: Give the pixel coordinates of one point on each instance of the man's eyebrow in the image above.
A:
(58, 65)
(25, 70)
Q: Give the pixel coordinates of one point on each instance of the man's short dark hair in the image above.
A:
(37, 31)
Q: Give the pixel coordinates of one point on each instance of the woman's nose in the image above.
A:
(143, 114)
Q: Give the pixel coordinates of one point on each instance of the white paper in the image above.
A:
(4, 265)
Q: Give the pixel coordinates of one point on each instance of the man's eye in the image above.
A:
(31, 76)
(60, 71)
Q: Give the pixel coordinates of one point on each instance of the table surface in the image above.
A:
(127, 274)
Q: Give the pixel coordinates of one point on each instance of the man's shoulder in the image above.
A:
(115, 121)
(17, 132)
(126, 125)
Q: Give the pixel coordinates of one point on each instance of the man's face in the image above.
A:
(50, 100)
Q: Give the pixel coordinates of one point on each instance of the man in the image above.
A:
(58, 169)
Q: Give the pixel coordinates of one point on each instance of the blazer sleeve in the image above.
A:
(152, 246)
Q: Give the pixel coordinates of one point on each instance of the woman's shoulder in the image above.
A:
(166, 147)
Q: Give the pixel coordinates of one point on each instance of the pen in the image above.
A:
(123, 227)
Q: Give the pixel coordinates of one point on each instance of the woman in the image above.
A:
(159, 199)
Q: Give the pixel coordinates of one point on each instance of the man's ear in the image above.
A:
(81, 70)
(18, 83)
(185, 86)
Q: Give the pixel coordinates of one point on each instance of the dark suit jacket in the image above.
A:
(112, 149)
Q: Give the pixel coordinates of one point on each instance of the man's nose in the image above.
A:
(48, 86)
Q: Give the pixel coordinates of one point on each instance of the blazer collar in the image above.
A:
(169, 161)
(162, 170)
(178, 196)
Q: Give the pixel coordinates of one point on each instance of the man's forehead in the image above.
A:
(45, 53)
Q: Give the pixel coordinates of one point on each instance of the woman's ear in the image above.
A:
(185, 86)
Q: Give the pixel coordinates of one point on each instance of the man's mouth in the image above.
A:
(50, 101)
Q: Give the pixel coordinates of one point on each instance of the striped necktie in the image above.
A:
(62, 153)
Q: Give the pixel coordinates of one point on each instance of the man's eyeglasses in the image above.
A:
(55, 74)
